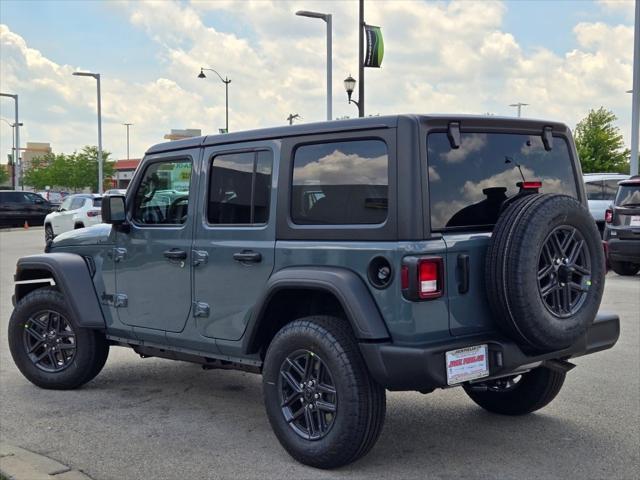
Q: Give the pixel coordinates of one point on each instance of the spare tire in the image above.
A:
(545, 271)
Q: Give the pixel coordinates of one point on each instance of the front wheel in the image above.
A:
(49, 347)
(624, 268)
(519, 394)
(322, 404)
(48, 233)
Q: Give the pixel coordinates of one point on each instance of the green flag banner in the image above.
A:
(375, 47)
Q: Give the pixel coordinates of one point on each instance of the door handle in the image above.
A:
(247, 256)
(175, 254)
(463, 269)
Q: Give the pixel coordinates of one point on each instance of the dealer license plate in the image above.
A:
(634, 221)
(467, 364)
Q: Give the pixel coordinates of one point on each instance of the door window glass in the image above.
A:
(77, 203)
(162, 197)
(468, 185)
(240, 188)
(66, 204)
(340, 183)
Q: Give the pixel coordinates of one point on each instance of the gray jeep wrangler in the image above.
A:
(338, 260)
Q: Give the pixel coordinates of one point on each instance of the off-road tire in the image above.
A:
(91, 353)
(535, 390)
(361, 402)
(624, 268)
(511, 271)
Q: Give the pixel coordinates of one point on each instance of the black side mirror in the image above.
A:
(113, 209)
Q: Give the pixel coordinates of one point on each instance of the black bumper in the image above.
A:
(423, 369)
(624, 250)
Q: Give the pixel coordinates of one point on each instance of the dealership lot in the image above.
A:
(160, 419)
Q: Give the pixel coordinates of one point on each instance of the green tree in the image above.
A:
(73, 171)
(600, 144)
(4, 174)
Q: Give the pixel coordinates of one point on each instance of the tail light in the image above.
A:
(608, 215)
(422, 278)
(93, 213)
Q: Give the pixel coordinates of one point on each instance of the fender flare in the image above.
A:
(72, 277)
(348, 288)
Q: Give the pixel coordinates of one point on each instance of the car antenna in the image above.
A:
(510, 160)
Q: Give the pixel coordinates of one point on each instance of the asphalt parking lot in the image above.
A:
(159, 419)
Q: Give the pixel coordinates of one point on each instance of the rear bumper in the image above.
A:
(423, 369)
(624, 250)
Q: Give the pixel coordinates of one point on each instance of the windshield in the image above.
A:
(468, 185)
(628, 195)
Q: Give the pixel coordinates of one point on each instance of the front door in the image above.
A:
(235, 242)
(153, 259)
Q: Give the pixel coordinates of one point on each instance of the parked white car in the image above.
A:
(76, 211)
(601, 190)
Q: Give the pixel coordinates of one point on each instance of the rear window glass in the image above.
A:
(628, 196)
(594, 191)
(340, 183)
(467, 185)
(97, 202)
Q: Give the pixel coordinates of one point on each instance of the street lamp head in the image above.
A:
(307, 13)
(201, 74)
(349, 85)
(86, 74)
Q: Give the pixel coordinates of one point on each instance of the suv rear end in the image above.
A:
(622, 234)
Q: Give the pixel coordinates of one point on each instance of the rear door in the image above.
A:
(233, 252)
(467, 186)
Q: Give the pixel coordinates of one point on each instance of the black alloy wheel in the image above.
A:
(49, 341)
(564, 271)
(308, 395)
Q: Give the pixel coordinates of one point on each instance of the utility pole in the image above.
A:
(292, 117)
(361, 60)
(519, 105)
(97, 78)
(127, 125)
(635, 94)
(17, 164)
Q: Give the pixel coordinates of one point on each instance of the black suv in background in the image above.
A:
(622, 233)
(17, 207)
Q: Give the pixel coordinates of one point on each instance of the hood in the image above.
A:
(96, 234)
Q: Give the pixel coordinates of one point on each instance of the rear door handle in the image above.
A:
(248, 256)
(175, 254)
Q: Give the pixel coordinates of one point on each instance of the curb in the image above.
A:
(20, 464)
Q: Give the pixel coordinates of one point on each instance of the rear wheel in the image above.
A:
(519, 394)
(78, 225)
(322, 404)
(624, 268)
(49, 347)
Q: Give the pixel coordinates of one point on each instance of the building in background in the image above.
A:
(181, 134)
(123, 172)
(33, 150)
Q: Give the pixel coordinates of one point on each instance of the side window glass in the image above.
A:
(66, 204)
(162, 198)
(240, 188)
(340, 183)
(77, 203)
(594, 190)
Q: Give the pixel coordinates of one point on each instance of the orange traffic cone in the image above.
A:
(26, 225)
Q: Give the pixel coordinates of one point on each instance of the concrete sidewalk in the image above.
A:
(19, 464)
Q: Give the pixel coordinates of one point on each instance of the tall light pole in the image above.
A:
(327, 19)
(519, 105)
(97, 77)
(635, 94)
(13, 149)
(226, 82)
(127, 125)
(17, 165)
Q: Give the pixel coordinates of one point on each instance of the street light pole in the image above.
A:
(226, 82)
(17, 165)
(519, 105)
(328, 20)
(97, 77)
(127, 125)
(635, 95)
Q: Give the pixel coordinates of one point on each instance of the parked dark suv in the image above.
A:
(622, 233)
(339, 260)
(18, 207)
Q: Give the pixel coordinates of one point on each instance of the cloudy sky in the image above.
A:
(561, 57)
